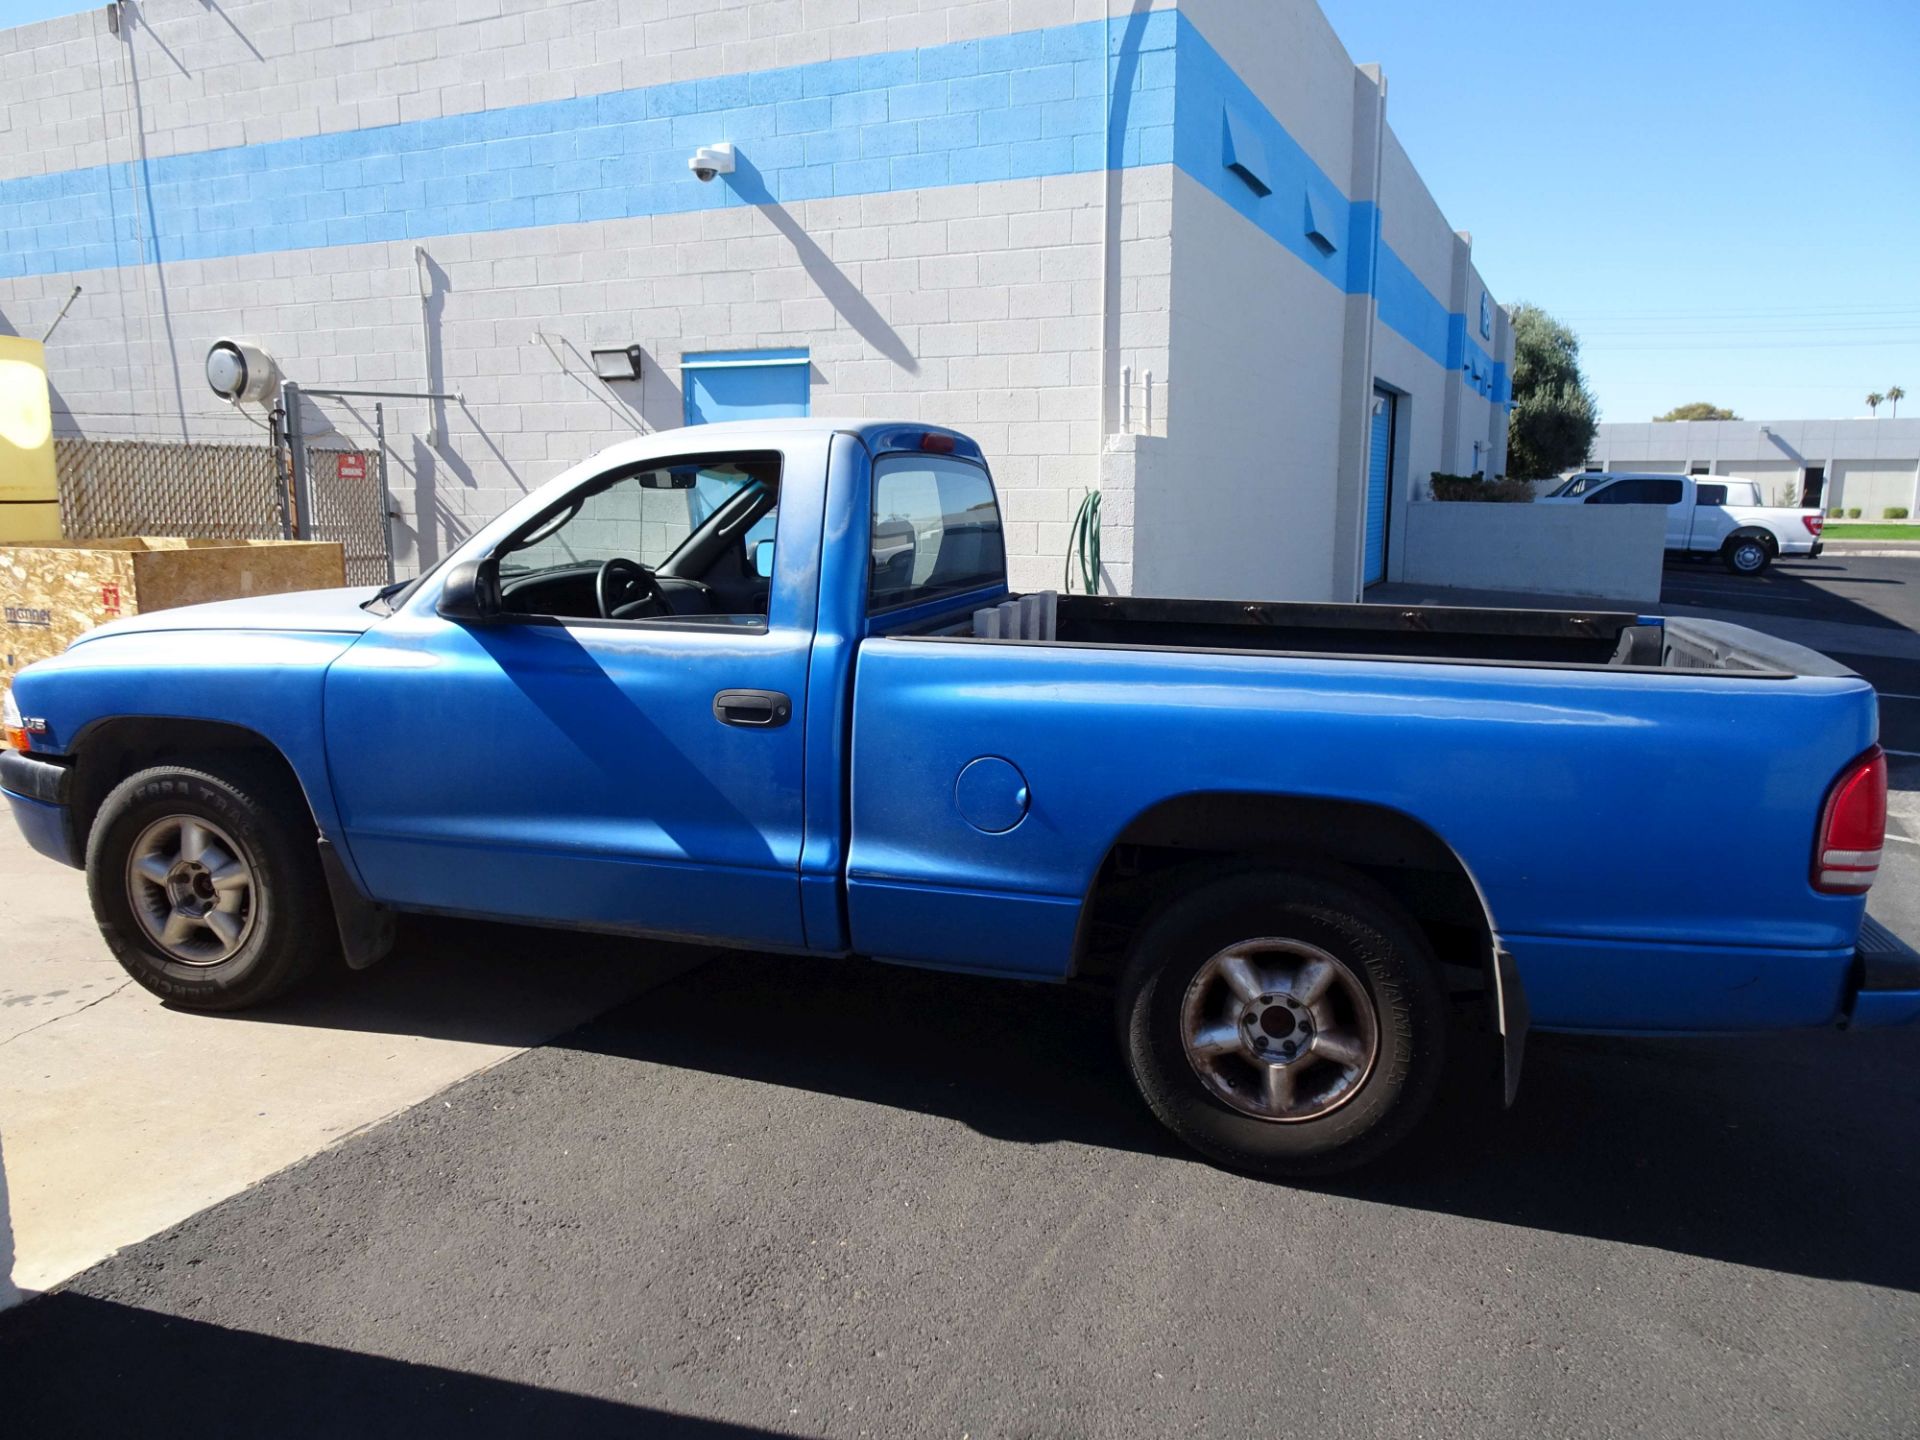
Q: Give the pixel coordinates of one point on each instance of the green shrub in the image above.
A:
(1835, 513)
(1895, 512)
(1854, 514)
(1477, 487)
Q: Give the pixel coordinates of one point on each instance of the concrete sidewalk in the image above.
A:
(122, 1116)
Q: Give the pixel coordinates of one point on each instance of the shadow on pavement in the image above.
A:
(160, 1375)
(1791, 1153)
(1790, 590)
(479, 982)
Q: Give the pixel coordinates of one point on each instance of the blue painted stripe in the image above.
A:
(1299, 197)
(1009, 107)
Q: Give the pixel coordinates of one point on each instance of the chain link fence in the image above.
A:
(348, 507)
(113, 488)
(158, 487)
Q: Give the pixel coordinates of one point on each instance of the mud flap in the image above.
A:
(1512, 1017)
(366, 929)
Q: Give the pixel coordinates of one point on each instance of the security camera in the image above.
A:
(711, 160)
(240, 372)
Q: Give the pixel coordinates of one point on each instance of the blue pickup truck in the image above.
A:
(763, 685)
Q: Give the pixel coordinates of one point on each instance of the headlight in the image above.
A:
(13, 728)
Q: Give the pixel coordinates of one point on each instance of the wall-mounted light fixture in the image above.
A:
(621, 363)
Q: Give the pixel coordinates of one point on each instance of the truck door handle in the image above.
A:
(753, 709)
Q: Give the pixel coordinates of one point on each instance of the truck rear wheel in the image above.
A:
(1747, 555)
(205, 890)
(1288, 1023)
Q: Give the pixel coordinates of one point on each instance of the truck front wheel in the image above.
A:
(205, 887)
(1285, 1023)
(1747, 555)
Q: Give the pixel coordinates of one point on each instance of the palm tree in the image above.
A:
(1873, 402)
(1894, 396)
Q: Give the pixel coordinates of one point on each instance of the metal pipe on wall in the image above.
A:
(436, 421)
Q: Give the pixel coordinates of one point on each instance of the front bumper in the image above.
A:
(39, 794)
(1886, 979)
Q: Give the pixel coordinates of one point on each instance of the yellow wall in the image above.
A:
(29, 495)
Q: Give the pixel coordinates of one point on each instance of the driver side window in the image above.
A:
(665, 540)
(627, 520)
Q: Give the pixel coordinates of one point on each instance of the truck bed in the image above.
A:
(1483, 635)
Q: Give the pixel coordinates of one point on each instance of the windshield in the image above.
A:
(1578, 485)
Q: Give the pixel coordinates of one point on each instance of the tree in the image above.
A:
(1873, 402)
(1894, 396)
(1698, 410)
(1551, 425)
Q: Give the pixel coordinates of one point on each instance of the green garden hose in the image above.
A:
(1084, 546)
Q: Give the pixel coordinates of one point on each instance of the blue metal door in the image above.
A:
(1379, 472)
(744, 385)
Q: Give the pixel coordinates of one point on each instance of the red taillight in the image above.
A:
(1853, 828)
(1813, 523)
(937, 444)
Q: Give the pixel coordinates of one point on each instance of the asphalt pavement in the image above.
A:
(782, 1196)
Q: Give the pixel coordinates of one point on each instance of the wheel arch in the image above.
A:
(1168, 842)
(1752, 532)
(108, 750)
(1403, 854)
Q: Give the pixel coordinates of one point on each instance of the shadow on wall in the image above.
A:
(565, 354)
(189, 1377)
(1126, 65)
(436, 527)
(212, 9)
(750, 185)
(662, 402)
(146, 206)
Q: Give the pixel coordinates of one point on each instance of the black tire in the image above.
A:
(1747, 555)
(1339, 913)
(289, 925)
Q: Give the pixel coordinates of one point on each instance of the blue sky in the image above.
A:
(1722, 198)
(25, 12)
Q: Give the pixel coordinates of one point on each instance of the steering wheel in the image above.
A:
(622, 586)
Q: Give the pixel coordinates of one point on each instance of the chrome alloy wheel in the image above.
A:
(1279, 1030)
(192, 889)
(1749, 556)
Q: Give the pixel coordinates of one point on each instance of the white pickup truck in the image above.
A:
(1706, 515)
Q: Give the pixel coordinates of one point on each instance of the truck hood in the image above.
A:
(333, 612)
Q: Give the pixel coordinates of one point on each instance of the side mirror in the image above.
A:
(472, 591)
(763, 559)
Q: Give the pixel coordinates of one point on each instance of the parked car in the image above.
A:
(1706, 515)
(1282, 834)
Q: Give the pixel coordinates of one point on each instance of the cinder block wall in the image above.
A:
(892, 216)
(957, 208)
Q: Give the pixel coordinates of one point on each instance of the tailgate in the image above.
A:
(1690, 644)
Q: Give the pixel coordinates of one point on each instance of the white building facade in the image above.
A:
(1866, 465)
(1169, 250)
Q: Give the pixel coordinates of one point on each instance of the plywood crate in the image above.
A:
(54, 593)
